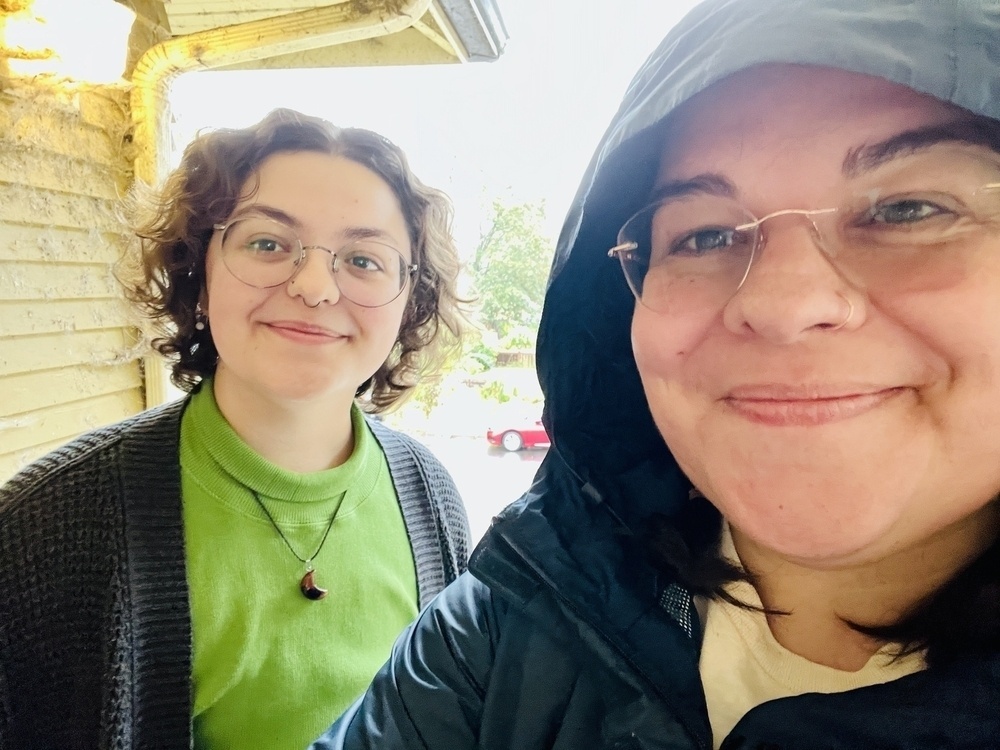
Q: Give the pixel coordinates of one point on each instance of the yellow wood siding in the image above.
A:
(68, 359)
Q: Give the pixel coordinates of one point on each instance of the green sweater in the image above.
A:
(95, 637)
(257, 641)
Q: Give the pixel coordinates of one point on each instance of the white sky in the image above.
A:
(522, 128)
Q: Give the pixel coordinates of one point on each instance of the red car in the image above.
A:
(518, 434)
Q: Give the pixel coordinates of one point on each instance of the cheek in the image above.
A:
(382, 325)
(231, 306)
(666, 355)
(663, 345)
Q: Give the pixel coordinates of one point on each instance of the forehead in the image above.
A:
(324, 192)
(294, 173)
(791, 110)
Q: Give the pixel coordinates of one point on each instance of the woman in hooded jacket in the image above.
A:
(769, 516)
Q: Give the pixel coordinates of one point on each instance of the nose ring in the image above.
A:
(850, 313)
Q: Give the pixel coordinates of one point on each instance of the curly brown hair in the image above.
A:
(164, 273)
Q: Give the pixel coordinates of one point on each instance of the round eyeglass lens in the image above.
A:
(687, 252)
(370, 273)
(260, 252)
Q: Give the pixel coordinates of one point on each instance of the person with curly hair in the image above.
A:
(261, 542)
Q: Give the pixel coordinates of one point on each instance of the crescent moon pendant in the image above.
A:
(309, 588)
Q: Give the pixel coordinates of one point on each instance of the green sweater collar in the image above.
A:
(226, 467)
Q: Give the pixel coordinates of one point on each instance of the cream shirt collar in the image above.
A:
(743, 666)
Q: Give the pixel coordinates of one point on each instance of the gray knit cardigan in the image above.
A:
(95, 631)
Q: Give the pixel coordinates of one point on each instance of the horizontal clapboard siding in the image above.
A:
(69, 360)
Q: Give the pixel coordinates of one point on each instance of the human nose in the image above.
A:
(792, 287)
(314, 280)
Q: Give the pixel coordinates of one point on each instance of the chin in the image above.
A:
(819, 526)
(820, 547)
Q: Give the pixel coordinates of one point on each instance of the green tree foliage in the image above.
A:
(510, 268)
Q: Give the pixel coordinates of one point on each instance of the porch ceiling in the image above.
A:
(448, 31)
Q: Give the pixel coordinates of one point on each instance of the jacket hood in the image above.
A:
(595, 410)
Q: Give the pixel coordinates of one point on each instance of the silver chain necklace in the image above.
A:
(307, 584)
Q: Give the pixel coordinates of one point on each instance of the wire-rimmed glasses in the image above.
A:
(263, 252)
(696, 249)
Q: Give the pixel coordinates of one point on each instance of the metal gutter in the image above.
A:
(479, 27)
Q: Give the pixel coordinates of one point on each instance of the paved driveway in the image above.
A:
(489, 478)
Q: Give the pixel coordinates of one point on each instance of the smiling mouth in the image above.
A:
(304, 331)
(781, 407)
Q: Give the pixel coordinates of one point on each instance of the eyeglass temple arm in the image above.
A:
(624, 247)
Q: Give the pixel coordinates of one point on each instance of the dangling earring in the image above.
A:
(200, 319)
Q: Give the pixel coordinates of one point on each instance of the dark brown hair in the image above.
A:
(164, 273)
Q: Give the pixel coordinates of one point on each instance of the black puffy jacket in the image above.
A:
(561, 637)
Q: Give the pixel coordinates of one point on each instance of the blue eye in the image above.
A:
(707, 240)
(903, 212)
(370, 259)
(266, 245)
(364, 262)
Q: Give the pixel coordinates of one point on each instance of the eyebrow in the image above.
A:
(350, 234)
(272, 213)
(709, 183)
(368, 233)
(972, 132)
